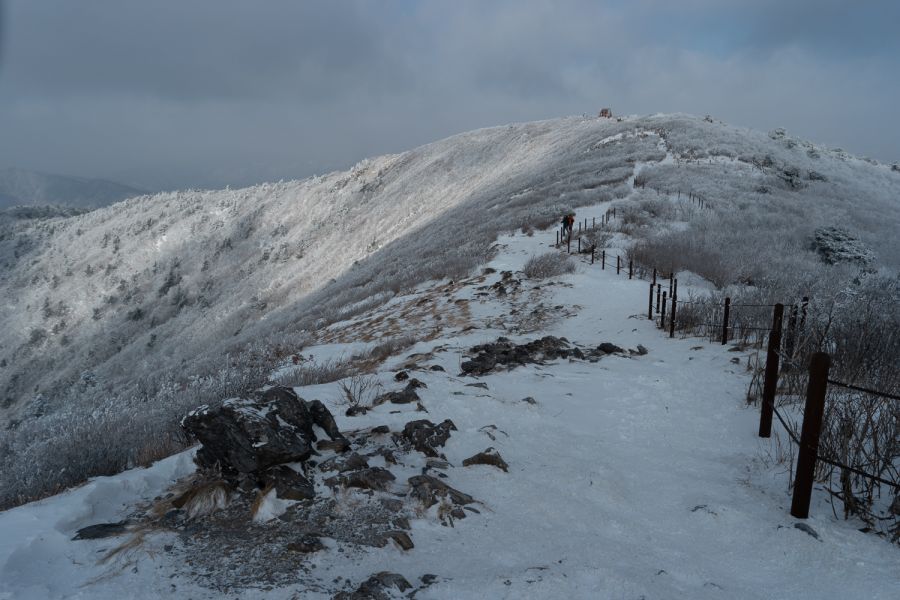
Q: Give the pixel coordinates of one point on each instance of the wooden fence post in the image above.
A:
(658, 292)
(672, 316)
(569, 243)
(593, 250)
(809, 435)
(593, 222)
(770, 385)
(557, 238)
(618, 264)
(725, 321)
(654, 275)
(630, 268)
(671, 281)
(662, 314)
(579, 244)
(650, 307)
(603, 260)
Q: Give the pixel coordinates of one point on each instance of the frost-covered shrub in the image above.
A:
(551, 264)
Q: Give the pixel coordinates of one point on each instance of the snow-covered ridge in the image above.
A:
(96, 308)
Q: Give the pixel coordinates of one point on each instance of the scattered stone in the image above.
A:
(341, 464)
(372, 478)
(608, 348)
(338, 446)
(401, 376)
(376, 587)
(642, 350)
(529, 400)
(425, 436)
(488, 457)
(392, 504)
(406, 396)
(289, 484)
(428, 489)
(807, 529)
(503, 352)
(101, 530)
(380, 429)
(356, 410)
(306, 545)
(436, 463)
(480, 384)
(437, 368)
(458, 513)
(403, 540)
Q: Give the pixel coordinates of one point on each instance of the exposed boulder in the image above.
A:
(372, 478)
(249, 435)
(503, 352)
(376, 587)
(289, 484)
(488, 457)
(407, 395)
(428, 490)
(425, 436)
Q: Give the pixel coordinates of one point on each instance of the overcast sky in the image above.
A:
(204, 93)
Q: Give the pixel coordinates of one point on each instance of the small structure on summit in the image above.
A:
(606, 113)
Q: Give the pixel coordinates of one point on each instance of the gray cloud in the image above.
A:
(215, 92)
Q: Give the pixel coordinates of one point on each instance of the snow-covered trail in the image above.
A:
(634, 477)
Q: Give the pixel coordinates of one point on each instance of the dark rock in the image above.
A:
(458, 513)
(488, 457)
(250, 435)
(425, 436)
(289, 484)
(101, 530)
(380, 429)
(407, 395)
(338, 446)
(376, 587)
(608, 348)
(355, 411)
(373, 478)
(392, 504)
(351, 462)
(529, 400)
(306, 545)
(437, 368)
(428, 489)
(641, 350)
(403, 540)
(401, 376)
(480, 384)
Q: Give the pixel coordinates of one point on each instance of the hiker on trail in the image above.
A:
(570, 223)
(565, 225)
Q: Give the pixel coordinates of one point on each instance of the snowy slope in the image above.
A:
(105, 314)
(635, 477)
(19, 187)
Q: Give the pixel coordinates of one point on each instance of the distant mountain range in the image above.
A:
(19, 187)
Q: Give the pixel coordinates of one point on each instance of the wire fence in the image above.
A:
(746, 321)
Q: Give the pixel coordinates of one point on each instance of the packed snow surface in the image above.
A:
(634, 477)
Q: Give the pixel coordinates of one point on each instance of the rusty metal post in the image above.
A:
(725, 321)
(654, 275)
(658, 293)
(662, 314)
(569, 243)
(557, 238)
(603, 260)
(593, 222)
(650, 307)
(579, 244)
(593, 251)
(809, 435)
(671, 281)
(770, 384)
(630, 268)
(618, 264)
